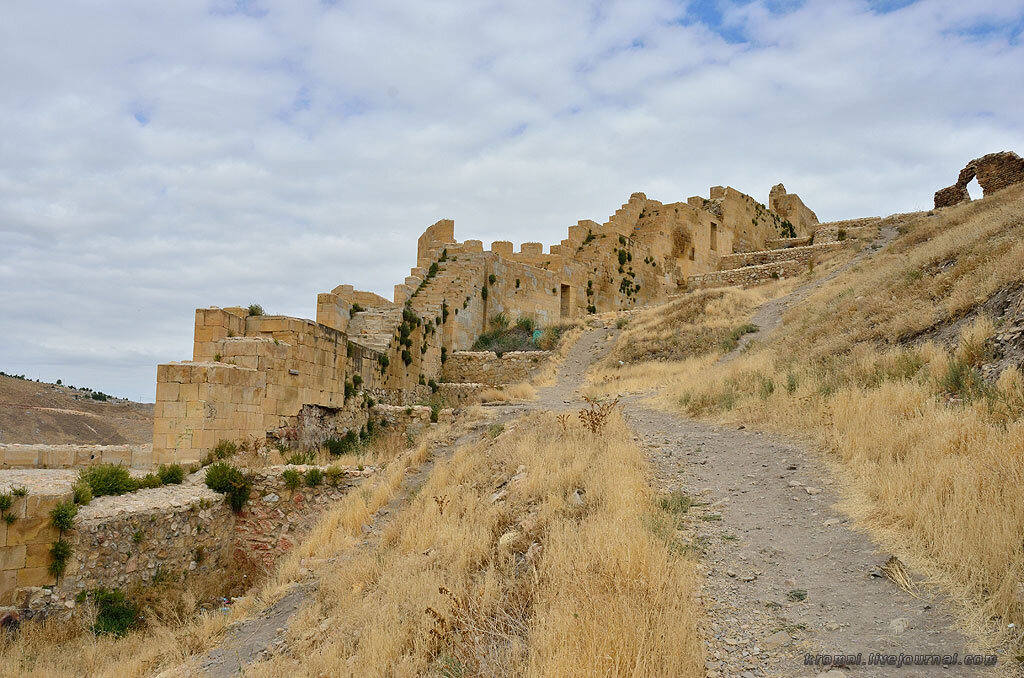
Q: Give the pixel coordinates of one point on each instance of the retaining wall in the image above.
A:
(485, 367)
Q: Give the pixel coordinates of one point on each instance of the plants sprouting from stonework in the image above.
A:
(255, 309)
(231, 482)
(6, 502)
(62, 517)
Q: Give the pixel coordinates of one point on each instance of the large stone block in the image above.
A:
(31, 531)
(35, 576)
(12, 557)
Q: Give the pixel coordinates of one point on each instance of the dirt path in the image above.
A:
(769, 315)
(784, 574)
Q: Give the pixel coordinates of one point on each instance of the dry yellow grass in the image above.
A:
(531, 554)
(510, 392)
(928, 451)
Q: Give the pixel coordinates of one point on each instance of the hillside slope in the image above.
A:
(38, 413)
(906, 370)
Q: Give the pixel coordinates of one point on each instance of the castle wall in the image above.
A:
(252, 375)
(175, 530)
(485, 367)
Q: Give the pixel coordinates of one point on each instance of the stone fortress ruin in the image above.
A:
(261, 377)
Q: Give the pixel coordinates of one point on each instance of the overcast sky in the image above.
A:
(158, 157)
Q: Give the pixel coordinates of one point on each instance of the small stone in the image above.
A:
(270, 499)
(776, 640)
(831, 626)
(812, 490)
(795, 483)
(899, 625)
(831, 522)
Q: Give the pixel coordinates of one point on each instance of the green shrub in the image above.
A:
(62, 516)
(675, 502)
(60, 552)
(526, 324)
(356, 308)
(301, 458)
(435, 409)
(115, 614)
(791, 383)
(292, 478)
(19, 491)
(171, 475)
(150, 481)
(6, 501)
(255, 309)
(357, 380)
(433, 385)
(841, 234)
(224, 449)
(108, 480)
(334, 475)
(350, 390)
(82, 492)
(314, 477)
(229, 481)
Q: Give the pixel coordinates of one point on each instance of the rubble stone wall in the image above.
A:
(485, 367)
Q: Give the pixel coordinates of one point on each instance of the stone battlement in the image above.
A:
(251, 376)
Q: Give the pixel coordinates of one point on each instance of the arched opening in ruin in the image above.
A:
(974, 189)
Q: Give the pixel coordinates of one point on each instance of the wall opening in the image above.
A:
(714, 236)
(565, 309)
(693, 253)
(974, 189)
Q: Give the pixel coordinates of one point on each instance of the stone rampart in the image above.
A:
(799, 254)
(993, 171)
(15, 456)
(748, 275)
(485, 367)
(138, 537)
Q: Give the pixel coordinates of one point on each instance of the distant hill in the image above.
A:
(33, 412)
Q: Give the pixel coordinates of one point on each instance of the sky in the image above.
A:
(159, 157)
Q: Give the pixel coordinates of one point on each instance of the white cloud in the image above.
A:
(161, 157)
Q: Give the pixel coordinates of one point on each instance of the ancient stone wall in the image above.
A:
(791, 208)
(251, 375)
(172, 531)
(800, 254)
(15, 456)
(748, 276)
(485, 367)
(993, 171)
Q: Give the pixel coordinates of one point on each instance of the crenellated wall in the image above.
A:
(251, 375)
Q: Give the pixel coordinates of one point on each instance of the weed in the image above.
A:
(224, 449)
(108, 480)
(314, 477)
(596, 414)
(62, 516)
(115, 614)
(171, 475)
(797, 595)
(19, 491)
(675, 502)
(333, 475)
(229, 481)
(60, 552)
(292, 478)
(301, 458)
(255, 309)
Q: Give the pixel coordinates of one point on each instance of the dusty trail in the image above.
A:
(767, 533)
